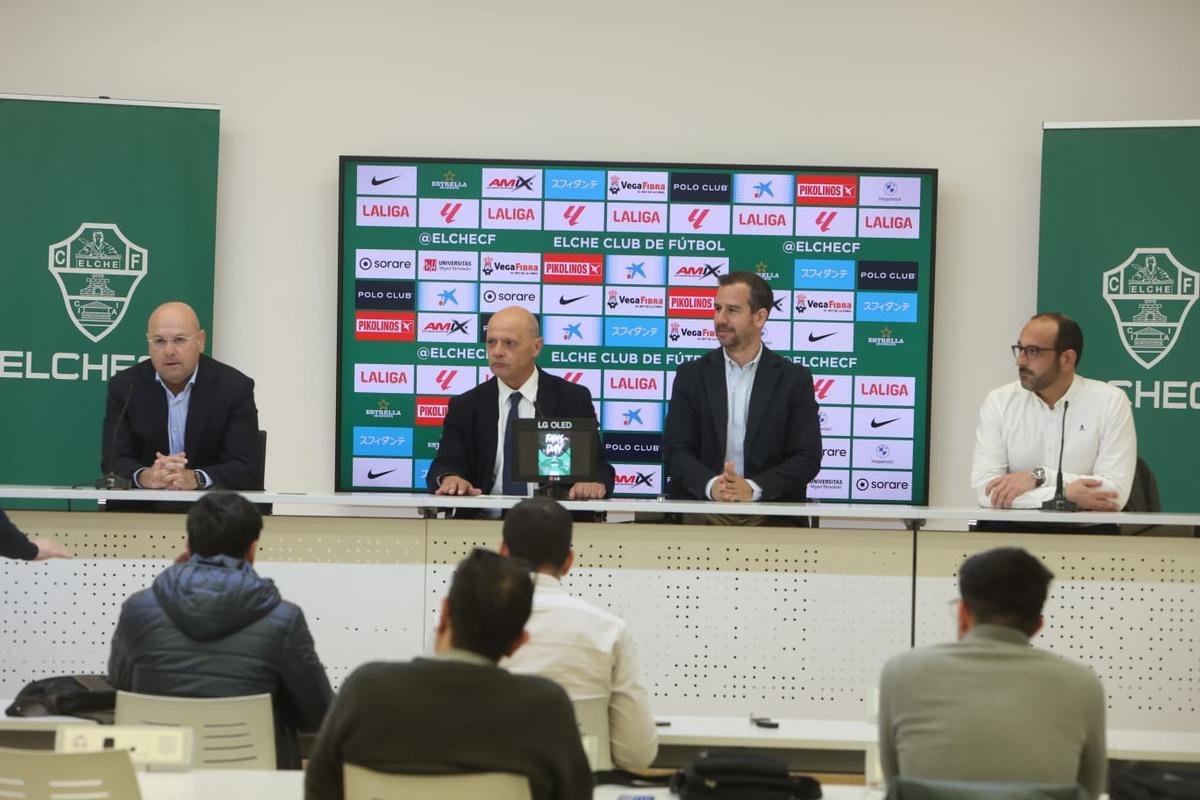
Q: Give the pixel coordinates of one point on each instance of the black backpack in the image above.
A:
(88, 696)
(745, 776)
(1142, 781)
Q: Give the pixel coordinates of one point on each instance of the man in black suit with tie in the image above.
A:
(475, 453)
(180, 420)
(742, 424)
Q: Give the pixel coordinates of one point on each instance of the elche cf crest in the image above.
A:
(1150, 295)
(97, 270)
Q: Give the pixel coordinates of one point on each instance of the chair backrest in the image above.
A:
(227, 732)
(38, 775)
(367, 784)
(151, 747)
(1143, 491)
(920, 789)
(591, 715)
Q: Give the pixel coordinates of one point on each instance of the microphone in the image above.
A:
(1060, 502)
(111, 479)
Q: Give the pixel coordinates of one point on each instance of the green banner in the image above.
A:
(106, 210)
(1120, 252)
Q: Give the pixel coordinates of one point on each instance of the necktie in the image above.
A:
(507, 484)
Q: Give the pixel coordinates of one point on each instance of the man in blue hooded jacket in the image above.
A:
(211, 627)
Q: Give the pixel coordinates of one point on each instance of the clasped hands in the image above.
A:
(458, 485)
(731, 487)
(1085, 492)
(169, 472)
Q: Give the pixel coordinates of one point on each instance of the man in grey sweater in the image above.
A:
(990, 707)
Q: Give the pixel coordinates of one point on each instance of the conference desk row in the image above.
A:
(789, 623)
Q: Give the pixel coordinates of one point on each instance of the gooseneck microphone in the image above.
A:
(111, 479)
(1060, 502)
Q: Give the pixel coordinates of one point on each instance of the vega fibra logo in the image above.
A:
(1150, 295)
(97, 269)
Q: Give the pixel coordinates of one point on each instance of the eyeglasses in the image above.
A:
(159, 342)
(1031, 351)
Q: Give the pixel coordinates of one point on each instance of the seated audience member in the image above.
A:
(181, 420)
(457, 711)
(586, 650)
(14, 544)
(990, 707)
(211, 627)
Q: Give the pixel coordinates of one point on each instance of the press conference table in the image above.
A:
(334, 504)
(289, 785)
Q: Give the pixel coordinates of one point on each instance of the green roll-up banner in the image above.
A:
(1120, 252)
(107, 208)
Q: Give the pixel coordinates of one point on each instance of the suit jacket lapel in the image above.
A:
(154, 399)
(488, 418)
(548, 396)
(766, 377)
(713, 375)
(199, 405)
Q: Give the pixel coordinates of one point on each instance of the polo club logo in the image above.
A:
(1150, 295)
(97, 270)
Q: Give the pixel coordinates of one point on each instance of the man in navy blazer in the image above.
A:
(180, 420)
(742, 424)
(471, 458)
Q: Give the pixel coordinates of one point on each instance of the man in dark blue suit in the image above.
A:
(472, 457)
(180, 420)
(742, 424)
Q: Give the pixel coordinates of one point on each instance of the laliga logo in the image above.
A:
(445, 378)
(825, 219)
(97, 270)
(450, 211)
(696, 217)
(1150, 295)
(572, 214)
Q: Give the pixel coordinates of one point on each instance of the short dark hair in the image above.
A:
(538, 530)
(1005, 586)
(761, 295)
(1069, 336)
(223, 524)
(490, 600)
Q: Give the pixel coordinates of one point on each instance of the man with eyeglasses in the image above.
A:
(1021, 425)
(181, 420)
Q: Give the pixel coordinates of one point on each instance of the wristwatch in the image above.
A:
(202, 482)
(1039, 476)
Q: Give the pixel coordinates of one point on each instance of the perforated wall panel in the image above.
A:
(1127, 607)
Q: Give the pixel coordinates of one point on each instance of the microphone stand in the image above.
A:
(1060, 502)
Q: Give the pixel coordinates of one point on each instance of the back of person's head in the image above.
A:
(1005, 586)
(223, 524)
(490, 601)
(538, 530)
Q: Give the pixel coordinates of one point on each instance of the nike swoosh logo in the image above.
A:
(877, 424)
(812, 338)
(376, 182)
(566, 301)
(372, 474)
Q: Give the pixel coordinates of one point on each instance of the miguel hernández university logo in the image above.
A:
(97, 269)
(1150, 295)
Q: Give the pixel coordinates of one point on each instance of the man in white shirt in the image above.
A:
(1021, 426)
(586, 650)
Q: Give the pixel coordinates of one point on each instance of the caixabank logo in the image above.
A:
(1150, 295)
(97, 269)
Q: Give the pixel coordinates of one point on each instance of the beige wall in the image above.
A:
(960, 86)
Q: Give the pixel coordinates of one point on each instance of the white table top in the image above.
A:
(344, 502)
(792, 734)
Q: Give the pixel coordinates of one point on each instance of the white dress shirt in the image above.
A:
(1018, 431)
(525, 410)
(739, 383)
(589, 653)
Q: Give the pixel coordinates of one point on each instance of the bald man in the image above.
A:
(471, 457)
(180, 421)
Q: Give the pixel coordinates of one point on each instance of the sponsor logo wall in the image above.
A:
(620, 265)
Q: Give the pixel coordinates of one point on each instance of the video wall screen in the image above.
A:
(620, 262)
